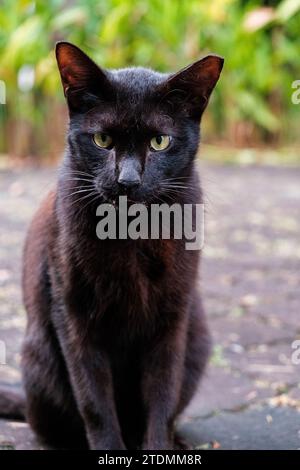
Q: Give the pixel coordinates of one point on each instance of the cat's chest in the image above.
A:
(120, 262)
(125, 277)
(131, 275)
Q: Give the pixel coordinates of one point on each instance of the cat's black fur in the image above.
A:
(116, 338)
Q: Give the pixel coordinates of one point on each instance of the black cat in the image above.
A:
(116, 338)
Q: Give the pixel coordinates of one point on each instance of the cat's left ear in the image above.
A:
(191, 87)
(83, 81)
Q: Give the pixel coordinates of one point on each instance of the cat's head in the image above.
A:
(133, 131)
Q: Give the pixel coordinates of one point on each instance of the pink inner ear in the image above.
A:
(70, 65)
(67, 75)
(204, 72)
(75, 76)
(76, 68)
(81, 77)
(209, 70)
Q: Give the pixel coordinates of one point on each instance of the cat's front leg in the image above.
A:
(161, 386)
(91, 380)
(92, 383)
(93, 388)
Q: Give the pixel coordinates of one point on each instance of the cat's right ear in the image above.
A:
(189, 89)
(84, 83)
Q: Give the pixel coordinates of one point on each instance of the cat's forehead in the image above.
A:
(135, 104)
(137, 79)
(127, 118)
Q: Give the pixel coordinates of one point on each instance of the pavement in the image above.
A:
(250, 279)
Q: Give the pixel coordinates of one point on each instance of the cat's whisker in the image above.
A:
(90, 202)
(180, 183)
(68, 196)
(167, 195)
(80, 179)
(175, 190)
(159, 199)
(176, 187)
(91, 193)
(177, 178)
(175, 183)
(174, 194)
(77, 172)
(82, 186)
(77, 181)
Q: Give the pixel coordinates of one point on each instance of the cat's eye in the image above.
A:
(102, 140)
(160, 142)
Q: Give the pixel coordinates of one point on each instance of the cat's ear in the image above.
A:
(191, 87)
(83, 81)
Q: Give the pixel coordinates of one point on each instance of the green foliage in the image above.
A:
(261, 47)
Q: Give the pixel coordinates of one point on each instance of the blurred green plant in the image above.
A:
(259, 40)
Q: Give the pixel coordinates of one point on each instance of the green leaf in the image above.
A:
(286, 9)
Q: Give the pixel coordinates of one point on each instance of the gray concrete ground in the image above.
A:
(250, 278)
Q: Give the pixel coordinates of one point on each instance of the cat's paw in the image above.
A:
(181, 444)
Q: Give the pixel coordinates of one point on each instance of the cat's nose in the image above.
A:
(129, 176)
(129, 183)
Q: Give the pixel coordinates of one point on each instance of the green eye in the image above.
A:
(102, 140)
(160, 142)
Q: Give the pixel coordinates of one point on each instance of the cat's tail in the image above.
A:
(12, 402)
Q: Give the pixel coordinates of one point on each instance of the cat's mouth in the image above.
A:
(112, 194)
(120, 198)
(141, 194)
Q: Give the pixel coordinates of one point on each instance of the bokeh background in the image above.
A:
(251, 108)
(249, 165)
